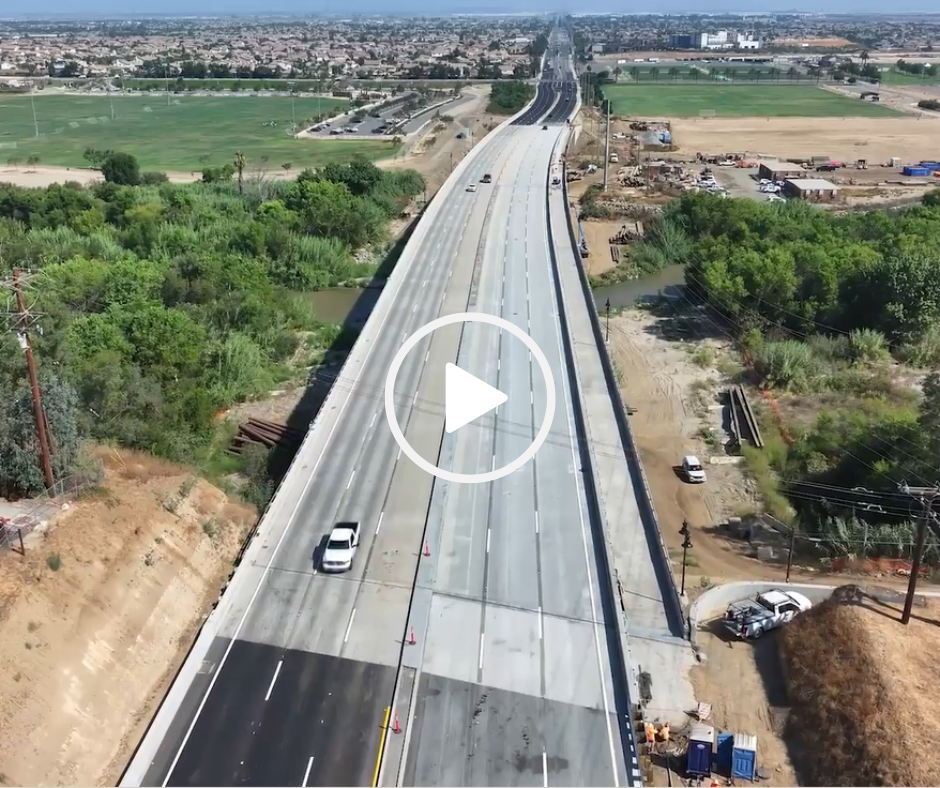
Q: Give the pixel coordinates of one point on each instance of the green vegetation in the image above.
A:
(824, 306)
(507, 98)
(681, 101)
(725, 73)
(163, 304)
(905, 73)
(192, 133)
(931, 104)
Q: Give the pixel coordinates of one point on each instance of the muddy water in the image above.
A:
(626, 294)
(334, 304)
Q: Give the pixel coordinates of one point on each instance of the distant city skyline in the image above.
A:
(119, 9)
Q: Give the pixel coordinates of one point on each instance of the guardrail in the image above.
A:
(661, 563)
(609, 592)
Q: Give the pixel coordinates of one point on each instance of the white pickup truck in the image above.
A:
(341, 548)
(751, 618)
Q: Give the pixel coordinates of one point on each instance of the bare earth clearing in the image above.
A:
(843, 139)
(89, 649)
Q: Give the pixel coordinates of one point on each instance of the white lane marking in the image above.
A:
(427, 356)
(374, 416)
(404, 335)
(544, 769)
(414, 400)
(399, 455)
(352, 618)
(379, 524)
(531, 398)
(424, 283)
(414, 308)
(498, 365)
(481, 651)
(536, 522)
(270, 564)
(540, 622)
(307, 771)
(494, 463)
(277, 670)
(488, 541)
(350, 479)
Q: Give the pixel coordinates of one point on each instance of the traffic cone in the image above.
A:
(397, 728)
(411, 639)
(427, 549)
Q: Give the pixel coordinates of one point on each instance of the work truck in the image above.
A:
(340, 548)
(751, 618)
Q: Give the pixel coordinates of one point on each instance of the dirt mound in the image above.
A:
(863, 691)
(97, 614)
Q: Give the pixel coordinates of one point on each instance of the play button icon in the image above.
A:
(466, 398)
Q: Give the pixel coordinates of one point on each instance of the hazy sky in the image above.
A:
(122, 7)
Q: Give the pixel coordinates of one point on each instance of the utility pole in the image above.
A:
(110, 100)
(166, 76)
(293, 115)
(607, 310)
(23, 319)
(925, 495)
(607, 144)
(32, 103)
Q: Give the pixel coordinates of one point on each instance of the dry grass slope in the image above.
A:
(849, 716)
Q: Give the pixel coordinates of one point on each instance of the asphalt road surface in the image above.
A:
(369, 124)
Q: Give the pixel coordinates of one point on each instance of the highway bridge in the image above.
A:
(476, 620)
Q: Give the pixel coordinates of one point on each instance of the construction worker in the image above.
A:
(650, 733)
(664, 733)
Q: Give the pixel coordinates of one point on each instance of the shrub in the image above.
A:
(786, 364)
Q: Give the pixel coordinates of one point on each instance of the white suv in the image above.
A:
(693, 469)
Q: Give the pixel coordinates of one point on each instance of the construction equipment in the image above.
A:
(861, 164)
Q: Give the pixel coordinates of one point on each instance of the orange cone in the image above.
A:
(411, 639)
(427, 549)
(397, 727)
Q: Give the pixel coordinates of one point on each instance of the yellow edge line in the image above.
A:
(378, 759)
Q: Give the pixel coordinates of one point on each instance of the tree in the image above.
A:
(14, 161)
(286, 166)
(239, 164)
(32, 161)
(121, 169)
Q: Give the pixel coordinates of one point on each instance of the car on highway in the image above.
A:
(471, 187)
(340, 548)
(487, 178)
(692, 469)
(751, 618)
(335, 131)
(545, 128)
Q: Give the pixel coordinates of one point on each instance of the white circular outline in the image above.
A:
(417, 459)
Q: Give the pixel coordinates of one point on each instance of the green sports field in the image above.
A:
(732, 73)
(772, 101)
(895, 77)
(174, 137)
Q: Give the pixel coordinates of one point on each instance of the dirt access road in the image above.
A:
(96, 617)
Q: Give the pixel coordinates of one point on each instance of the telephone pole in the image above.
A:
(925, 496)
(22, 320)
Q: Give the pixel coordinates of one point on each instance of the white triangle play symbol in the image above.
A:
(466, 398)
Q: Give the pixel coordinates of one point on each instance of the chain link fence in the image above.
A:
(42, 507)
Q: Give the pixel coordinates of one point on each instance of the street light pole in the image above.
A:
(607, 310)
(686, 546)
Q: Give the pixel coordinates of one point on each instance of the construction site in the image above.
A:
(622, 170)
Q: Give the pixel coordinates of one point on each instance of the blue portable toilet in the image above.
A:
(701, 742)
(744, 757)
(723, 753)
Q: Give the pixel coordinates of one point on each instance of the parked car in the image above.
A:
(693, 469)
(751, 618)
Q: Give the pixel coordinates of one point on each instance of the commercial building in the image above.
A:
(811, 189)
(774, 170)
(723, 39)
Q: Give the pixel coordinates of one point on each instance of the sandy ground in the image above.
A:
(874, 139)
(598, 238)
(38, 177)
(744, 684)
(88, 650)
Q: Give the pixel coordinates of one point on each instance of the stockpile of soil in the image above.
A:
(863, 694)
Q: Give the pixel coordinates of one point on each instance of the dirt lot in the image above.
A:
(96, 617)
(745, 686)
(598, 236)
(874, 139)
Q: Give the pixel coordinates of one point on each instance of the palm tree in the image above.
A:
(239, 163)
(775, 74)
(32, 161)
(754, 74)
(636, 73)
(792, 73)
(674, 73)
(287, 165)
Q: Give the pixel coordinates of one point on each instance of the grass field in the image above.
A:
(174, 137)
(895, 77)
(685, 101)
(709, 72)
